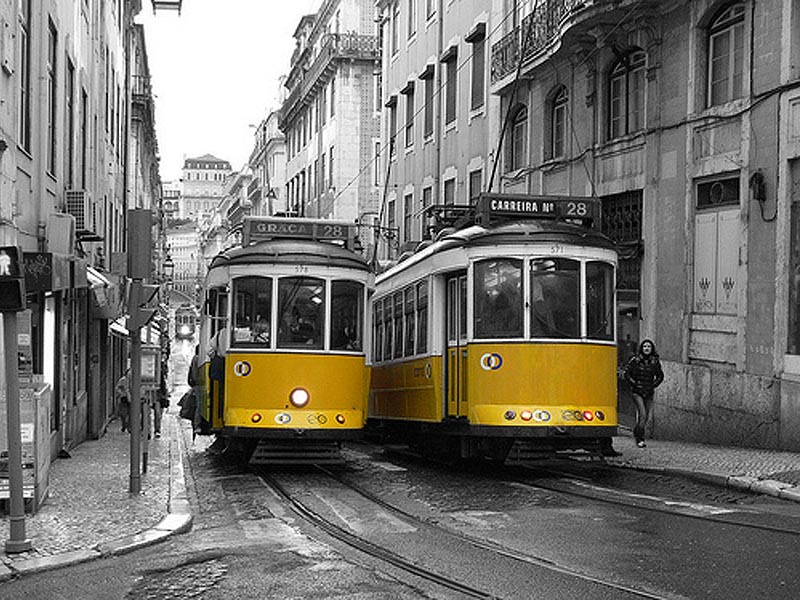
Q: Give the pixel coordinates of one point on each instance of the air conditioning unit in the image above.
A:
(79, 205)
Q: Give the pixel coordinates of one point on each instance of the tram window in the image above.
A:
(409, 316)
(498, 298)
(378, 341)
(219, 322)
(599, 301)
(387, 328)
(398, 325)
(347, 301)
(301, 312)
(252, 310)
(555, 298)
(422, 317)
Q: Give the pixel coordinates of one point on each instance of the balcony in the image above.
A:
(543, 27)
(335, 46)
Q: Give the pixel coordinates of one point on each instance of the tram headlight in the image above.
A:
(299, 397)
(340, 419)
(526, 415)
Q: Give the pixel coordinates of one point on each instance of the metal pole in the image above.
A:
(136, 386)
(17, 541)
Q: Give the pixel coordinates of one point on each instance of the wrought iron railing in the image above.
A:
(536, 32)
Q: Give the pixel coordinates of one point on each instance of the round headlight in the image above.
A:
(340, 419)
(299, 397)
(255, 418)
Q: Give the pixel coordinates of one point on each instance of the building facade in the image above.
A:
(329, 117)
(67, 71)
(435, 143)
(203, 180)
(680, 116)
(267, 192)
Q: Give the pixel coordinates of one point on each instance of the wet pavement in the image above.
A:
(90, 513)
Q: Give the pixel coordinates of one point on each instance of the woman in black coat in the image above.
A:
(643, 373)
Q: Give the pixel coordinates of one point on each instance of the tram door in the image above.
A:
(456, 364)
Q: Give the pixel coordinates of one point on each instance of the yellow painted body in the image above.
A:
(562, 379)
(260, 384)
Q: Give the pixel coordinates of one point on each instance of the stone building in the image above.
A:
(680, 116)
(329, 117)
(266, 191)
(434, 98)
(203, 180)
(77, 149)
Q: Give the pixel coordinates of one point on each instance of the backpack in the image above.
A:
(188, 404)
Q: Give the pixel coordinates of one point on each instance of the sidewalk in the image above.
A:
(90, 513)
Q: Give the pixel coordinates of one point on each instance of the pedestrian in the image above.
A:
(160, 400)
(644, 374)
(123, 397)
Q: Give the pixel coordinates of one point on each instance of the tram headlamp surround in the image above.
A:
(510, 415)
(256, 418)
(299, 397)
(340, 419)
(526, 415)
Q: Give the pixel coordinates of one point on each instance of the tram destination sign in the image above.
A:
(260, 229)
(538, 207)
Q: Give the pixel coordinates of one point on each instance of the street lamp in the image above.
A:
(168, 268)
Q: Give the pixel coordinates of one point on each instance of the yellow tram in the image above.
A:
(185, 321)
(282, 340)
(498, 338)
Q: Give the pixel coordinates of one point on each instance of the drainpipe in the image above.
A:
(437, 114)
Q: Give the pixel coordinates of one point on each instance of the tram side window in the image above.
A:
(387, 328)
(378, 337)
(301, 312)
(422, 317)
(498, 298)
(252, 310)
(409, 316)
(347, 302)
(599, 301)
(218, 312)
(555, 298)
(398, 325)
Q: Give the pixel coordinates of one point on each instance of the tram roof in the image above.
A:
(291, 251)
(533, 231)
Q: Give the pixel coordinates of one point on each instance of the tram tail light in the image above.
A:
(588, 416)
(299, 397)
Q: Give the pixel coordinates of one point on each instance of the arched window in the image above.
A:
(726, 55)
(516, 147)
(626, 95)
(558, 123)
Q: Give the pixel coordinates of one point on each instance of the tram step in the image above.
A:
(296, 453)
(523, 452)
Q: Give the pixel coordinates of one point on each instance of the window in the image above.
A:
(377, 342)
(427, 195)
(410, 312)
(716, 246)
(391, 217)
(558, 123)
(392, 129)
(726, 55)
(330, 169)
(377, 179)
(410, 117)
(475, 183)
(516, 153)
(451, 89)
(387, 328)
(478, 74)
(398, 325)
(408, 214)
(422, 317)
(450, 191)
(555, 298)
(599, 301)
(84, 135)
(428, 124)
(69, 119)
(25, 75)
(395, 27)
(333, 97)
(347, 308)
(412, 17)
(626, 95)
(430, 8)
(252, 312)
(301, 312)
(498, 298)
(52, 49)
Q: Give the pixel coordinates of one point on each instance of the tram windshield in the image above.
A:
(252, 310)
(301, 312)
(498, 298)
(555, 298)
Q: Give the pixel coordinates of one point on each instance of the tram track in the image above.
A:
(496, 550)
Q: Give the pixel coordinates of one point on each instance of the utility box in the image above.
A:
(35, 434)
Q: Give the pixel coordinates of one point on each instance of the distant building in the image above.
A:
(329, 117)
(203, 181)
(266, 191)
